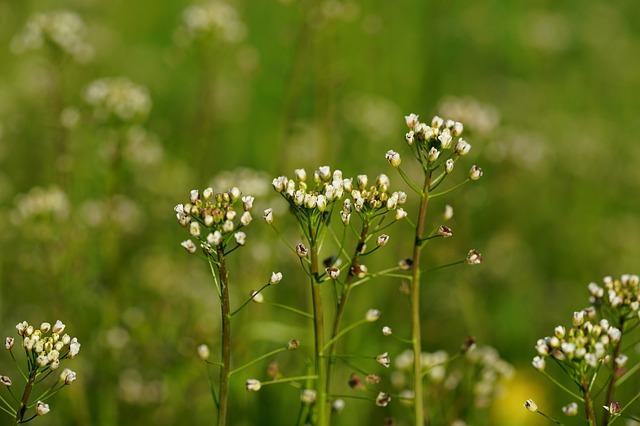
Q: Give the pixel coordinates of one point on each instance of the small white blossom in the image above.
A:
(384, 359)
(240, 237)
(276, 277)
(189, 246)
(386, 331)
(530, 405)
(203, 352)
(42, 408)
(372, 315)
(253, 385)
(570, 409)
(268, 216)
(393, 158)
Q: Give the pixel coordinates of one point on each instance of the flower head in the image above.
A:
(531, 405)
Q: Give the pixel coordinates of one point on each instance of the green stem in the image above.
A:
(319, 337)
(246, 302)
(290, 309)
(24, 401)
(342, 333)
(588, 405)
(611, 388)
(260, 358)
(225, 357)
(453, 188)
(561, 386)
(416, 335)
(289, 379)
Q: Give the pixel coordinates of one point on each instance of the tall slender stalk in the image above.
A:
(588, 405)
(319, 336)
(416, 334)
(344, 297)
(225, 358)
(611, 387)
(24, 401)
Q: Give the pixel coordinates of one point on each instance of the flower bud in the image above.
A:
(207, 193)
(214, 238)
(475, 173)
(538, 363)
(445, 139)
(400, 214)
(613, 408)
(393, 158)
(253, 385)
(256, 296)
(530, 405)
(268, 216)
(333, 272)
(8, 343)
(462, 147)
(570, 409)
(445, 231)
(382, 240)
(276, 277)
(437, 122)
(410, 137)
(293, 344)
(68, 376)
(383, 399)
(384, 360)
(474, 257)
(194, 229)
(308, 396)
(301, 250)
(194, 195)
(578, 318)
(433, 154)
(448, 166)
(301, 174)
(5, 380)
(42, 408)
(386, 331)
(372, 315)
(246, 218)
(412, 120)
(240, 237)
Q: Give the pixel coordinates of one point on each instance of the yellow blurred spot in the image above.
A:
(508, 408)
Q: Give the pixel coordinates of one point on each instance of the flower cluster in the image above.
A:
(213, 218)
(213, 19)
(369, 200)
(316, 196)
(580, 348)
(119, 98)
(63, 30)
(617, 294)
(47, 345)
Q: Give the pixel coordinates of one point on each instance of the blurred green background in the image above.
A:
(548, 91)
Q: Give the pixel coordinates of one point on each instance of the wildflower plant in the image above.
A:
(216, 223)
(47, 350)
(328, 206)
(437, 147)
(590, 352)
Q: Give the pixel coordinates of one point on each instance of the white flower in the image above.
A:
(74, 347)
(194, 195)
(384, 359)
(240, 237)
(393, 158)
(462, 147)
(253, 385)
(235, 193)
(268, 216)
(538, 363)
(445, 139)
(570, 409)
(448, 165)
(333, 272)
(372, 315)
(301, 174)
(412, 120)
(21, 327)
(614, 333)
(58, 327)
(475, 173)
(324, 172)
(578, 318)
(68, 376)
(189, 246)
(445, 231)
(400, 214)
(382, 240)
(203, 352)
(621, 360)
(338, 404)
(386, 331)
(42, 408)
(437, 122)
(214, 238)
(409, 137)
(433, 154)
(194, 229)
(321, 202)
(276, 277)
(383, 399)
(207, 193)
(8, 343)
(246, 218)
(530, 405)
(247, 202)
(474, 257)
(5, 380)
(559, 331)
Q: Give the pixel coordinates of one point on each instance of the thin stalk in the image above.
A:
(319, 337)
(611, 388)
(289, 379)
(225, 356)
(260, 358)
(416, 334)
(561, 386)
(622, 410)
(290, 309)
(588, 405)
(337, 322)
(24, 401)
